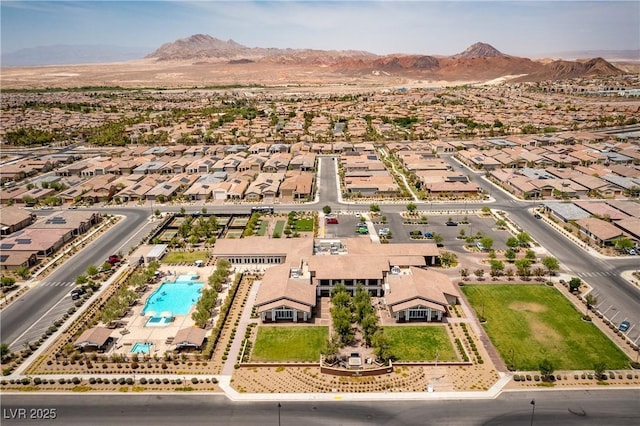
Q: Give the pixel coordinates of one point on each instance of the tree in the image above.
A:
(4, 350)
(23, 272)
(551, 263)
(497, 268)
(448, 259)
(326, 209)
(182, 210)
(512, 243)
(82, 279)
(590, 301)
(623, 244)
(509, 273)
(501, 223)
(464, 273)
(331, 349)
(538, 273)
(523, 266)
(485, 210)
(598, 369)
(156, 213)
(461, 234)
(7, 281)
(524, 239)
(574, 284)
(411, 207)
(92, 270)
(546, 368)
(510, 255)
(437, 238)
(531, 255)
(382, 346)
(487, 243)
(374, 208)
(479, 273)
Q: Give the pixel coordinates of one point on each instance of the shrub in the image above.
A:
(143, 381)
(92, 381)
(37, 381)
(194, 380)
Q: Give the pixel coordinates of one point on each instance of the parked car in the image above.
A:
(451, 223)
(332, 220)
(361, 225)
(537, 216)
(383, 232)
(362, 231)
(77, 292)
(428, 234)
(624, 326)
(113, 259)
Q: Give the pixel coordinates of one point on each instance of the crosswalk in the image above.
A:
(57, 284)
(595, 274)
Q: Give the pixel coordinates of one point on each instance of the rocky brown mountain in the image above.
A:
(480, 61)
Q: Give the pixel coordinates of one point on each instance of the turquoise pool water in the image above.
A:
(175, 298)
(141, 348)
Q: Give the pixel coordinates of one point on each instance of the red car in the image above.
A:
(332, 220)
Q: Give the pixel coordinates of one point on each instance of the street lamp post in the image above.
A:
(279, 406)
(533, 410)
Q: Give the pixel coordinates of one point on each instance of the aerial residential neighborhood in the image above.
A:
(366, 216)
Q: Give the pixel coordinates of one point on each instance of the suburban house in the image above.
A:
(13, 219)
(416, 294)
(285, 295)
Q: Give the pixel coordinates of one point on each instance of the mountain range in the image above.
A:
(205, 60)
(480, 61)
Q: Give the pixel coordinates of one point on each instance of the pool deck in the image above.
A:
(134, 330)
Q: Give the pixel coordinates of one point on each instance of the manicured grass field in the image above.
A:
(303, 225)
(263, 228)
(416, 343)
(279, 228)
(294, 343)
(186, 256)
(528, 323)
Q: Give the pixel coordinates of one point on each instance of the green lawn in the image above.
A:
(419, 343)
(296, 343)
(303, 225)
(263, 228)
(279, 228)
(186, 256)
(528, 323)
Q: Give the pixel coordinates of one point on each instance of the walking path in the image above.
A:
(245, 319)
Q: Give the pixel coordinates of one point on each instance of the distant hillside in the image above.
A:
(480, 61)
(68, 54)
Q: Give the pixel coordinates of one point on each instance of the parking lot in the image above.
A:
(347, 227)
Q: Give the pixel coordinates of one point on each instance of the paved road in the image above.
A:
(44, 301)
(26, 319)
(566, 407)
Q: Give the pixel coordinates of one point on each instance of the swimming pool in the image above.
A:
(175, 298)
(155, 321)
(141, 348)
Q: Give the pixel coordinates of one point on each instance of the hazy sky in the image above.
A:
(425, 27)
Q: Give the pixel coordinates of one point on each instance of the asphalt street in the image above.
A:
(28, 317)
(566, 407)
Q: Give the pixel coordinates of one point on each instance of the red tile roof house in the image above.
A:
(13, 219)
(416, 294)
(35, 241)
(285, 296)
(603, 233)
